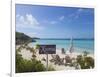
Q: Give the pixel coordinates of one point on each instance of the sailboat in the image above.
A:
(71, 49)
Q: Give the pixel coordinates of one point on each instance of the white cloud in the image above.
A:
(61, 18)
(50, 22)
(53, 22)
(31, 20)
(76, 14)
(27, 21)
(32, 34)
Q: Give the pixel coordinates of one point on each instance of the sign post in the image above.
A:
(47, 49)
(47, 62)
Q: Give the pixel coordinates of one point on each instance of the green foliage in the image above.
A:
(18, 50)
(33, 65)
(85, 62)
(50, 68)
(37, 46)
(21, 38)
(30, 49)
(23, 65)
(89, 62)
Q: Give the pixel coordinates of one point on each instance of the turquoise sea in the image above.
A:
(79, 45)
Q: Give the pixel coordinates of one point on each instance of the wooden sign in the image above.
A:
(47, 49)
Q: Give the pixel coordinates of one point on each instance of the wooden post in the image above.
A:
(47, 62)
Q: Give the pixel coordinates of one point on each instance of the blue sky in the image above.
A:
(55, 22)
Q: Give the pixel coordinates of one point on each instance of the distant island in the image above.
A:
(35, 38)
(22, 38)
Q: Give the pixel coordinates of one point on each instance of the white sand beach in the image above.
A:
(26, 54)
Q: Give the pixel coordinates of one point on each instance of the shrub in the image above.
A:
(23, 65)
(85, 62)
(50, 68)
(89, 62)
(37, 46)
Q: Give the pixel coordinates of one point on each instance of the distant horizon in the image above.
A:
(56, 38)
(55, 22)
(65, 38)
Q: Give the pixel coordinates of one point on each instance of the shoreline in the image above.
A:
(26, 54)
(76, 49)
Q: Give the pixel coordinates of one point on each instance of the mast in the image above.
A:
(71, 46)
